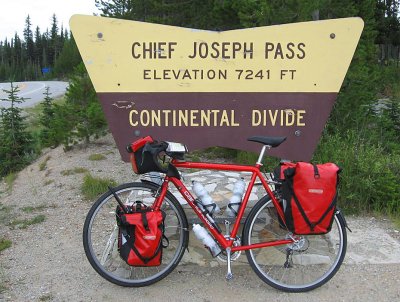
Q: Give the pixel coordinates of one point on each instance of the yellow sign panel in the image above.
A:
(130, 56)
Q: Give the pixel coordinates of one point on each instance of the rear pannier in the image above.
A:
(310, 192)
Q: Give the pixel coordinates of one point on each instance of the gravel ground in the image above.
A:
(46, 261)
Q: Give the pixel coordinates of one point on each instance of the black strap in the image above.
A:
(316, 172)
(145, 221)
(331, 206)
(167, 241)
(131, 243)
(312, 225)
(145, 259)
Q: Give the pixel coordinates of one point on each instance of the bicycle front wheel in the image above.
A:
(297, 267)
(100, 236)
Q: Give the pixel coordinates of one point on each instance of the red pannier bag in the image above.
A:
(310, 192)
(140, 236)
(280, 170)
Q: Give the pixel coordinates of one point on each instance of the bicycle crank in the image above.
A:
(229, 275)
(300, 245)
(234, 256)
(224, 255)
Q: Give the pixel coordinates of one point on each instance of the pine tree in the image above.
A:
(46, 119)
(54, 47)
(15, 140)
(82, 114)
(68, 59)
(38, 47)
(124, 9)
(28, 37)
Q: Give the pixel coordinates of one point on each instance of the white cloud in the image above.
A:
(14, 12)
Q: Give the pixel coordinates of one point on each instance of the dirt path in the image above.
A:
(46, 261)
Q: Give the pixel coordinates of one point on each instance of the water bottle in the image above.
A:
(206, 239)
(205, 198)
(236, 199)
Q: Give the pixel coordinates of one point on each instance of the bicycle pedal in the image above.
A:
(229, 276)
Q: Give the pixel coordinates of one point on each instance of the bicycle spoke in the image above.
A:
(110, 244)
(101, 233)
(312, 261)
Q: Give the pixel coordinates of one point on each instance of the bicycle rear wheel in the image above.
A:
(297, 267)
(100, 236)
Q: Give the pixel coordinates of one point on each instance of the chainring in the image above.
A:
(234, 256)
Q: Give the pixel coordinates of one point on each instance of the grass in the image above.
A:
(77, 170)
(46, 297)
(30, 209)
(3, 280)
(10, 179)
(94, 186)
(4, 244)
(24, 223)
(396, 220)
(5, 214)
(97, 156)
(43, 164)
(47, 182)
(33, 114)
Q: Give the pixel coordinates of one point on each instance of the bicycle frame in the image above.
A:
(222, 240)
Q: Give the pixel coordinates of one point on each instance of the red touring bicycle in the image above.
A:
(288, 262)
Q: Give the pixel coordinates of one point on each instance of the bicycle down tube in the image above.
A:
(224, 242)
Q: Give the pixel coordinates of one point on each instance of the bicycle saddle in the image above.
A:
(273, 141)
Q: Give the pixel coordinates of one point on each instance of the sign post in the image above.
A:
(206, 88)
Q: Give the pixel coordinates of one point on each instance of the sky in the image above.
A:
(13, 14)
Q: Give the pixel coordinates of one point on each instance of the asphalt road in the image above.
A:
(32, 92)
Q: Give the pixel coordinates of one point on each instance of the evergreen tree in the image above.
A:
(54, 48)
(46, 119)
(123, 9)
(68, 59)
(38, 47)
(28, 37)
(15, 140)
(82, 114)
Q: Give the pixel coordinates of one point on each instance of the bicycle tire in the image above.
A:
(100, 236)
(292, 268)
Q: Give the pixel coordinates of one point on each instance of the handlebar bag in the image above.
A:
(144, 154)
(310, 192)
(140, 236)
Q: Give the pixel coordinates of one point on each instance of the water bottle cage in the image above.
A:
(204, 208)
(212, 206)
(230, 205)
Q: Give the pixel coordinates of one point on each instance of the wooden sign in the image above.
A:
(206, 88)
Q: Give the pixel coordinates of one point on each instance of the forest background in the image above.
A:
(362, 135)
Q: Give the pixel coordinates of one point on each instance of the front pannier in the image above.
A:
(140, 236)
(310, 192)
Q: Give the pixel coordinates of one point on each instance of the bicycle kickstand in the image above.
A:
(229, 275)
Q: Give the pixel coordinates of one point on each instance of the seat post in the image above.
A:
(260, 158)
